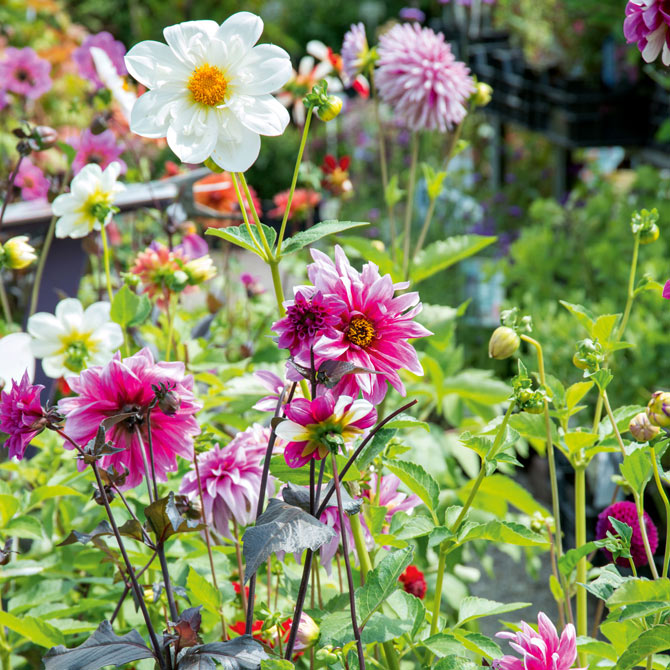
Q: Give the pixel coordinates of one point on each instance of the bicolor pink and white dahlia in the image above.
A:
(541, 650)
(355, 53)
(419, 77)
(125, 386)
(647, 23)
(310, 425)
(231, 479)
(21, 415)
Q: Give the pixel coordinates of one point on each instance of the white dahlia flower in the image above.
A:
(210, 90)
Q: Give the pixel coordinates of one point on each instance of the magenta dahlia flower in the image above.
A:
(373, 327)
(21, 415)
(113, 48)
(308, 318)
(626, 511)
(541, 650)
(666, 290)
(123, 386)
(419, 77)
(231, 479)
(32, 182)
(647, 23)
(23, 72)
(309, 425)
(102, 149)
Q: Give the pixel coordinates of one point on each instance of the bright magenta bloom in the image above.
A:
(542, 650)
(113, 48)
(373, 328)
(23, 72)
(124, 385)
(647, 23)
(32, 182)
(309, 423)
(21, 415)
(102, 149)
(419, 77)
(231, 479)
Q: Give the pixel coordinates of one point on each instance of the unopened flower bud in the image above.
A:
(503, 343)
(329, 108)
(649, 234)
(590, 355)
(99, 124)
(200, 269)
(308, 633)
(169, 403)
(16, 253)
(43, 137)
(642, 429)
(98, 497)
(658, 409)
(326, 655)
(482, 95)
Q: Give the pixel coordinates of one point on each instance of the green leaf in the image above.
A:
(375, 447)
(475, 608)
(637, 469)
(603, 327)
(45, 492)
(407, 608)
(583, 315)
(651, 641)
(506, 532)
(36, 630)
(276, 664)
(532, 427)
(576, 392)
(568, 562)
(556, 589)
(370, 252)
(505, 488)
(405, 527)
(417, 480)
(129, 308)
(597, 648)
(477, 385)
(444, 644)
(300, 476)
(203, 592)
(577, 441)
(69, 151)
(479, 644)
(381, 582)
(407, 421)
(455, 663)
(442, 254)
(638, 590)
(336, 629)
(316, 232)
(27, 527)
(602, 378)
(239, 235)
(8, 507)
(606, 583)
(393, 194)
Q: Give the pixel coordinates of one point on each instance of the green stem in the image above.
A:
(610, 414)
(245, 216)
(424, 229)
(580, 541)
(254, 213)
(631, 287)
(6, 309)
(171, 310)
(294, 181)
(632, 566)
(664, 497)
(409, 205)
(105, 257)
(645, 536)
(437, 600)
(279, 290)
(5, 649)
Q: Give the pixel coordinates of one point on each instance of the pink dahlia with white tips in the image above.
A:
(21, 415)
(541, 650)
(311, 425)
(374, 325)
(419, 77)
(231, 479)
(647, 23)
(125, 386)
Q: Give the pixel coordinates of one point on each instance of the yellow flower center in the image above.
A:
(208, 85)
(361, 331)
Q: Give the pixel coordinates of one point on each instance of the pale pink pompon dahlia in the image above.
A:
(419, 77)
(124, 386)
(231, 479)
(541, 650)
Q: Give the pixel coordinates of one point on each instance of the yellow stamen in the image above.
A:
(208, 85)
(361, 331)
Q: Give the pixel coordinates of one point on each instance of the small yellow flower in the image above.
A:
(200, 269)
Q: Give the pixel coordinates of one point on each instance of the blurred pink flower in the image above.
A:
(113, 48)
(310, 424)
(355, 52)
(21, 415)
(647, 23)
(327, 551)
(419, 77)
(101, 149)
(389, 496)
(666, 290)
(32, 182)
(231, 479)
(23, 72)
(252, 285)
(542, 650)
(125, 385)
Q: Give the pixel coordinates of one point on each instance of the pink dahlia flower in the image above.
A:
(626, 511)
(419, 77)
(666, 290)
(21, 415)
(355, 53)
(308, 318)
(102, 149)
(647, 23)
(390, 497)
(113, 48)
(374, 326)
(23, 72)
(310, 424)
(32, 182)
(125, 385)
(542, 650)
(231, 479)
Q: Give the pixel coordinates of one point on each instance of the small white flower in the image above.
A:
(91, 197)
(74, 338)
(210, 90)
(116, 84)
(15, 359)
(16, 253)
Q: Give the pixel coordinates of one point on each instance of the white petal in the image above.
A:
(63, 204)
(72, 225)
(306, 65)
(71, 314)
(110, 175)
(264, 115)
(655, 42)
(292, 432)
(150, 116)
(267, 68)
(321, 70)
(243, 28)
(193, 147)
(16, 358)
(183, 36)
(96, 315)
(54, 367)
(153, 63)
(110, 337)
(45, 326)
(238, 149)
(358, 410)
(317, 49)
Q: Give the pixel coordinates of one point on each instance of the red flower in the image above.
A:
(413, 581)
(304, 201)
(336, 175)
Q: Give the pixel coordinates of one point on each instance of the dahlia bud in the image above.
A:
(329, 108)
(650, 234)
(658, 409)
(642, 429)
(644, 224)
(16, 253)
(590, 355)
(482, 95)
(99, 124)
(503, 343)
(98, 496)
(326, 655)
(170, 403)
(200, 269)
(308, 633)
(43, 137)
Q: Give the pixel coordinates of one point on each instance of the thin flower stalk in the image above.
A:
(409, 205)
(6, 309)
(105, 258)
(631, 287)
(240, 564)
(580, 541)
(10, 188)
(245, 216)
(254, 213)
(666, 504)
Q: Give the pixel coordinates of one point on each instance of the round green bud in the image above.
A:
(329, 108)
(642, 429)
(649, 234)
(503, 343)
(482, 95)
